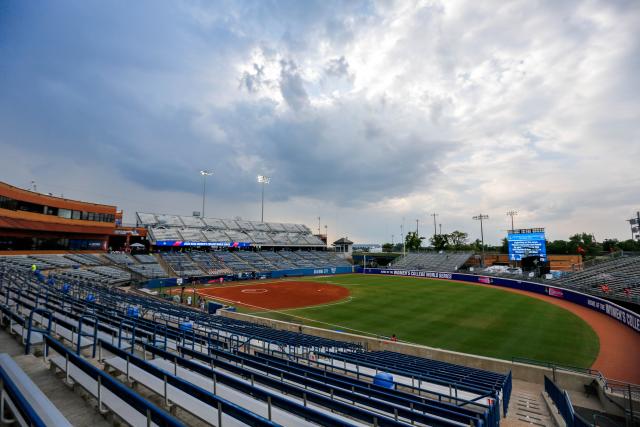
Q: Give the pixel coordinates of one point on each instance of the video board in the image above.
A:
(524, 244)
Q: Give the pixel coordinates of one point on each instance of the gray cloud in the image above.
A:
(337, 67)
(351, 107)
(292, 86)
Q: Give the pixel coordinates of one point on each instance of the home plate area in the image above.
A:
(279, 295)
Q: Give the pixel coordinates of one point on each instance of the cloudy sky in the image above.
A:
(363, 113)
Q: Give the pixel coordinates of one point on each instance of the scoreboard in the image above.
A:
(527, 242)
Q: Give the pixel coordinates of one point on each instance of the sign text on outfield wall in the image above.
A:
(418, 273)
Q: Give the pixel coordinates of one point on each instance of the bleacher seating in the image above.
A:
(256, 261)
(25, 261)
(85, 259)
(226, 371)
(57, 261)
(230, 260)
(617, 274)
(145, 259)
(181, 264)
(209, 263)
(195, 229)
(114, 275)
(120, 258)
(432, 261)
(149, 271)
(279, 262)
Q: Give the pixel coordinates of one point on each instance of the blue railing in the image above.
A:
(562, 401)
(506, 393)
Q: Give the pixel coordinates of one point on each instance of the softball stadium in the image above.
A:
(188, 320)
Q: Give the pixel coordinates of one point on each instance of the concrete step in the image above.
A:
(75, 408)
(10, 344)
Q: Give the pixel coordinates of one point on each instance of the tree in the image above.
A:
(412, 241)
(458, 239)
(629, 245)
(504, 248)
(440, 242)
(584, 243)
(387, 247)
(610, 245)
(558, 247)
(477, 245)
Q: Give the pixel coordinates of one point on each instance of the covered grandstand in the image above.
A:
(178, 231)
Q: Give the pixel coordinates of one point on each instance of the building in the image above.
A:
(343, 248)
(35, 221)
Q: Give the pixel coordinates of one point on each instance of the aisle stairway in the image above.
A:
(77, 410)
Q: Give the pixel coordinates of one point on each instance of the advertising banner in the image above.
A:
(182, 243)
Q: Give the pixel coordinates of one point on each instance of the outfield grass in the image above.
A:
(454, 316)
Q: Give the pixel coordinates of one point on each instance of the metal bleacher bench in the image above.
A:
(28, 404)
(110, 394)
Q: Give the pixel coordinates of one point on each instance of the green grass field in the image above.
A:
(454, 316)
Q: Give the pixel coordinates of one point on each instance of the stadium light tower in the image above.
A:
(512, 213)
(481, 217)
(263, 180)
(434, 215)
(205, 173)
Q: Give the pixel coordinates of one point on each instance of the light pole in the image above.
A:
(512, 213)
(481, 217)
(205, 173)
(434, 215)
(263, 180)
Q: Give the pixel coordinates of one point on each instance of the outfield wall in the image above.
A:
(619, 313)
(310, 272)
(296, 272)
